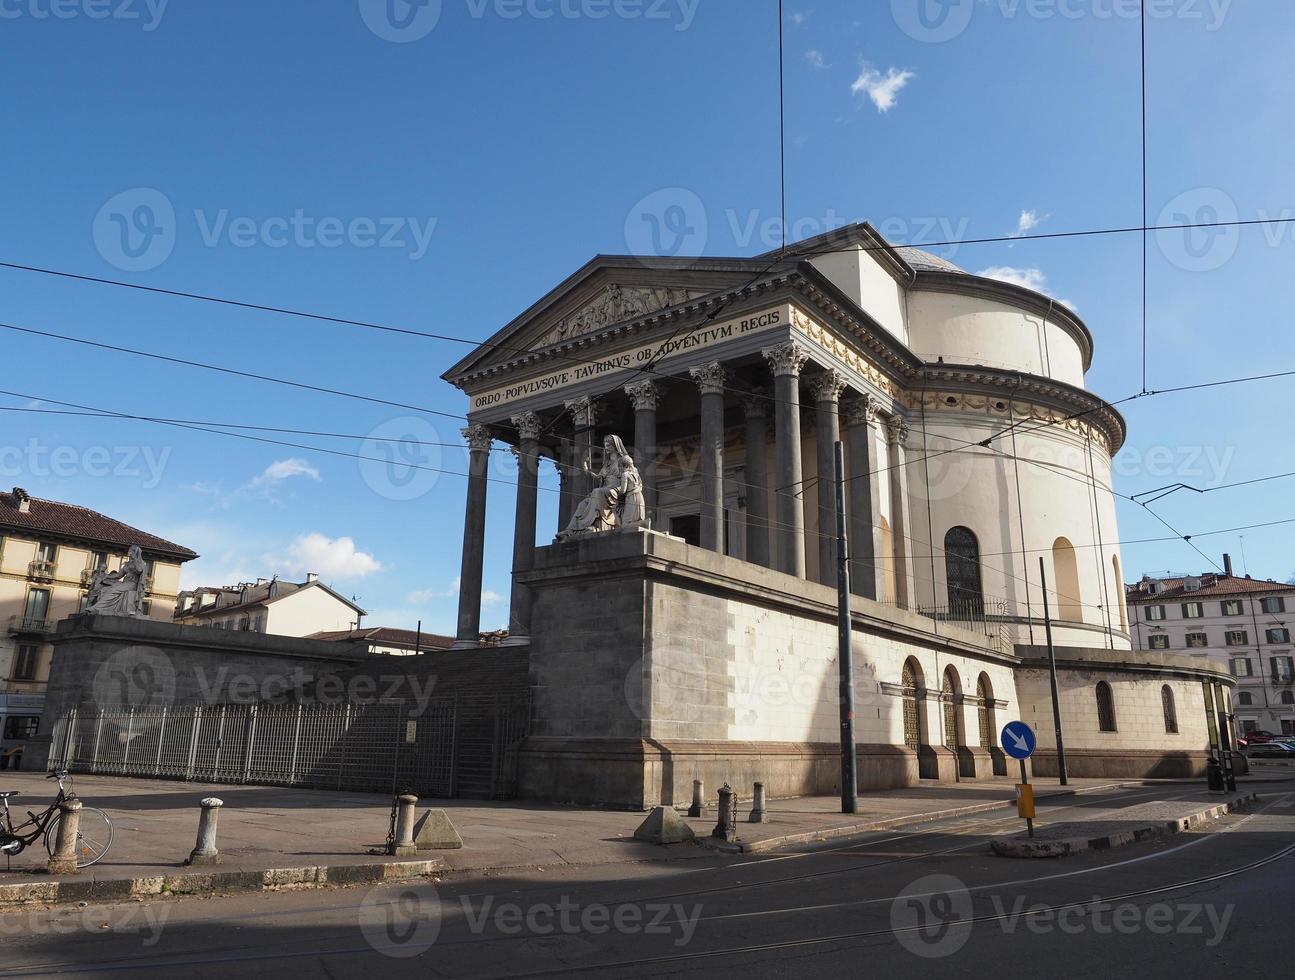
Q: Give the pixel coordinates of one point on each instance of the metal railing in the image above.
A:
(986, 617)
(40, 569)
(384, 746)
(29, 624)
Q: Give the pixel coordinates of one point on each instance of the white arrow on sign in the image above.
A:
(1022, 744)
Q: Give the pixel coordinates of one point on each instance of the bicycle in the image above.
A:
(94, 835)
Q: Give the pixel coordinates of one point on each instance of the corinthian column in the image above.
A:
(860, 416)
(897, 439)
(826, 389)
(786, 361)
(757, 481)
(528, 474)
(583, 418)
(710, 381)
(645, 395)
(474, 535)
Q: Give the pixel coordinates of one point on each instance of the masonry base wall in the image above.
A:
(1122, 764)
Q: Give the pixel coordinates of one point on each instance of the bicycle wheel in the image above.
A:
(93, 838)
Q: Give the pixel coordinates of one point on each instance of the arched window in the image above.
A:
(1119, 591)
(950, 694)
(1105, 707)
(1171, 713)
(911, 680)
(1065, 581)
(962, 573)
(1288, 697)
(887, 561)
(1243, 697)
(985, 711)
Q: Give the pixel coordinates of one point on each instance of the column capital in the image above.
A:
(827, 385)
(861, 410)
(786, 360)
(583, 411)
(756, 404)
(897, 431)
(478, 437)
(645, 395)
(711, 378)
(528, 426)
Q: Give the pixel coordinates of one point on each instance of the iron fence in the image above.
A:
(444, 748)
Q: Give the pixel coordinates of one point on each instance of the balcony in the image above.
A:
(29, 625)
(40, 570)
(88, 574)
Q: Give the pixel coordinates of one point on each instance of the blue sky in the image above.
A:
(501, 148)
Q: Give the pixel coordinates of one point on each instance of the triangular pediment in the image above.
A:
(616, 303)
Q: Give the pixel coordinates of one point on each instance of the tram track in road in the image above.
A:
(959, 827)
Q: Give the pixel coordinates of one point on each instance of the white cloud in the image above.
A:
(1028, 221)
(1031, 278)
(329, 557)
(799, 17)
(421, 596)
(883, 90)
(284, 469)
(816, 59)
(489, 597)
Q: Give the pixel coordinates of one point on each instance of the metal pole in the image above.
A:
(1025, 781)
(1052, 676)
(418, 640)
(849, 764)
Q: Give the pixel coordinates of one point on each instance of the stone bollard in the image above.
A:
(63, 860)
(205, 853)
(757, 805)
(726, 829)
(698, 808)
(403, 845)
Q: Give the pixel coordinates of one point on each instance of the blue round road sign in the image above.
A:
(1018, 739)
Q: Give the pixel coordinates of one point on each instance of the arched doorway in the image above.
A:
(1065, 581)
(962, 574)
(950, 695)
(911, 681)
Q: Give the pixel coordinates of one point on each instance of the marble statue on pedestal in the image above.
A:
(617, 500)
(120, 593)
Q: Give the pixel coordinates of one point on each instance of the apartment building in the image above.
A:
(269, 606)
(1240, 623)
(48, 553)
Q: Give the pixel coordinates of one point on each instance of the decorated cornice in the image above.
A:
(616, 304)
(834, 344)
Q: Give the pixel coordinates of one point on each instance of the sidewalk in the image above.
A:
(276, 835)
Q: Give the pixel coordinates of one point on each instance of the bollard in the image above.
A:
(205, 852)
(757, 805)
(403, 845)
(726, 829)
(698, 808)
(63, 860)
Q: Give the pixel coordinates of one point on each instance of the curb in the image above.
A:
(212, 882)
(893, 823)
(1017, 847)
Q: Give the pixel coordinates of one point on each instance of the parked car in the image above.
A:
(1275, 749)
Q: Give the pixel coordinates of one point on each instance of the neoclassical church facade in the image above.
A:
(705, 648)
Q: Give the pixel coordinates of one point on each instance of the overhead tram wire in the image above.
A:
(1142, 15)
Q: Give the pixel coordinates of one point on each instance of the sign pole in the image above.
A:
(1025, 782)
(1052, 676)
(845, 658)
(1019, 742)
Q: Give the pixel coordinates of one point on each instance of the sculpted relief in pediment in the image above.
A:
(616, 304)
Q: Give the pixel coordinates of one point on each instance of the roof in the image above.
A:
(54, 519)
(259, 595)
(388, 636)
(1212, 585)
(924, 261)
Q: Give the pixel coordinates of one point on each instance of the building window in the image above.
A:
(1197, 640)
(1238, 638)
(962, 573)
(1170, 712)
(1273, 604)
(909, 680)
(1065, 580)
(985, 711)
(1155, 613)
(99, 561)
(20, 728)
(24, 662)
(1283, 669)
(1233, 607)
(37, 609)
(1159, 641)
(1245, 698)
(1288, 697)
(1241, 667)
(1288, 727)
(950, 692)
(46, 552)
(1105, 707)
(256, 624)
(1248, 725)
(1193, 610)
(1279, 636)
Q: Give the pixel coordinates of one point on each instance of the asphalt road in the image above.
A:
(933, 901)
